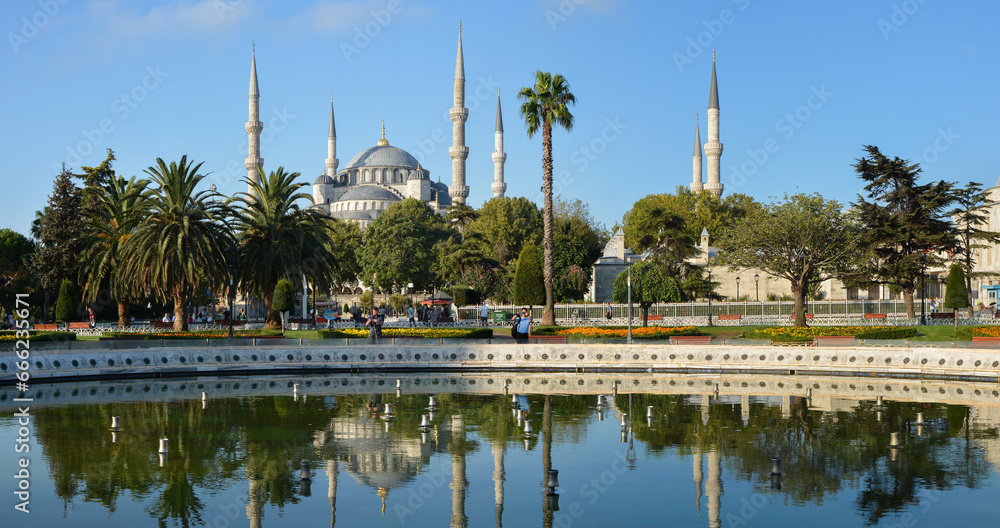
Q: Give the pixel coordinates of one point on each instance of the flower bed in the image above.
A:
(642, 332)
(793, 334)
(985, 331)
(423, 333)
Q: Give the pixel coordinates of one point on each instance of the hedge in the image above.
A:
(201, 334)
(36, 336)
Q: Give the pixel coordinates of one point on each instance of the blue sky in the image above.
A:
(809, 81)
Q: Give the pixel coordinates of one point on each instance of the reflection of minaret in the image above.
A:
(706, 404)
(254, 507)
(786, 407)
(459, 113)
(713, 149)
(458, 482)
(254, 126)
(697, 185)
(745, 409)
(698, 477)
(331, 493)
(499, 156)
(499, 449)
(713, 487)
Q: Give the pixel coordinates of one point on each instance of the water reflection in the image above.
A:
(236, 454)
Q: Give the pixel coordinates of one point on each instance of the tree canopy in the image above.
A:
(529, 285)
(650, 285)
(803, 238)
(398, 247)
(971, 216)
(905, 222)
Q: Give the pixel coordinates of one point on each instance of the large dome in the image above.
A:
(382, 156)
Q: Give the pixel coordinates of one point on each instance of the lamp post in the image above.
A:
(710, 294)
(756, 285)
(923, 289)
(630, 303)
(737, 288)
(230, 257)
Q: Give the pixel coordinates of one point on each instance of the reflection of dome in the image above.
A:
(324, 180)
(382, 156)
(369, 192)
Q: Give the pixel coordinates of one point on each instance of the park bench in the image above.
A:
(654, 318)
(985, 342)
(691, 340)
(874, 316)
(46, 326)
(833, 340)
(77, 325)
(729, 317)
(943, 315)
(808, 316)
(544, 339)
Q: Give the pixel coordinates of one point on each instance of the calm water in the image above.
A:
(701, 460)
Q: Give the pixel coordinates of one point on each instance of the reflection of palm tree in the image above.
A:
(331, 475)
(547, 514)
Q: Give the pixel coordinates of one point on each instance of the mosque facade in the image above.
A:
(382, 175)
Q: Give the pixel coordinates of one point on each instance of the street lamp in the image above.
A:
(756, 285)
(710, 293)
(630, 303)
(230, 257)
(923, 289)
(737, 288)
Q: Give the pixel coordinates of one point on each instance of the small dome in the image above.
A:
(382, 156)
(353, 215)
(324, 180)
(369, 192)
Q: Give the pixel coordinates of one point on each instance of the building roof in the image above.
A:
(369, 192)
(324, 179)
(382, 156)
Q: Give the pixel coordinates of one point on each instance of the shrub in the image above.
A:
(35, 336)
(67, 303)
(427, 333)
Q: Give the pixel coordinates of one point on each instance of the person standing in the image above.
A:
(607, 313)
(90, 315)
(372, 324)
(409, 315)
(484, 313)
(523, 323)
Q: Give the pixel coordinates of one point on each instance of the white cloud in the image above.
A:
(179, 16)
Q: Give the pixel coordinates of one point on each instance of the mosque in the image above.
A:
(381, 175)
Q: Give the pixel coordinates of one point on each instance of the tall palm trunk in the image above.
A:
(180, 321)
(122, 314)
(548, 315)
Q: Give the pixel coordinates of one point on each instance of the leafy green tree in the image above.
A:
(459, 216)
(504, 226)
(345, 242)
(905, 227)
(971, 216)
(283, 300)
(956, 295)
(15, 267)
(545, 103)
(650, 285)
(367, 300)
(278, 239)
(579, 241)
(529, 283)
(804, 238)
(180, 244)
(398, 247)
(57, 257)
(116, 208)
(67, 304)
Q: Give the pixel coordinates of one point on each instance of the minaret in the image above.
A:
(331, 145)
(499, 156)
(459, 113)
(254, 126)
(713, 149)
(697, 184)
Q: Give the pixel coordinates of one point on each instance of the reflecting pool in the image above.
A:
(629, 450)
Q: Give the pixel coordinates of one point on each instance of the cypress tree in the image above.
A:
(67, 303)
(956, 296)
(284, 300)
(529, 280)
(56, 258)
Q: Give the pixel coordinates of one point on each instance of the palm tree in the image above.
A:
(117, 210)
(179, 245)
(547, 102)
(277, 239)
